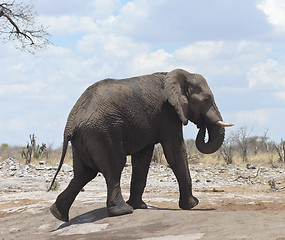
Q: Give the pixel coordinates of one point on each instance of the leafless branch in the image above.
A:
(242, 139)
(19, 24)
(226, 150)
(280, 149)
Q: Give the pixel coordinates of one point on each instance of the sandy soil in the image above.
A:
(237, 211)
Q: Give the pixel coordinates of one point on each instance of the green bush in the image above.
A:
(4, 145)
(55, 186)
(37, 155)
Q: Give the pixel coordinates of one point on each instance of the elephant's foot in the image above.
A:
(189, 203)
(121, 209)
(56, 213)
(137, 204)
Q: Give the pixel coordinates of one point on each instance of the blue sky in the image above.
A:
(238, 45)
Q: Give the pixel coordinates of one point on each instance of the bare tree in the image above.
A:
(269, 148)
(157, 154)
(280, 149)
(19, 24)
(226, 150)
(193, 155)
(242, 140)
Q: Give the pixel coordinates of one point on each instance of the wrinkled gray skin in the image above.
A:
(116, 118)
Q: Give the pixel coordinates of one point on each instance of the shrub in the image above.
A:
(55, 186)
(4, 145)
(32, 149)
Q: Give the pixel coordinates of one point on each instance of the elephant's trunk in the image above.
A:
(216, 137)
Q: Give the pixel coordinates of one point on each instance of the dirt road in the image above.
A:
(226, 211)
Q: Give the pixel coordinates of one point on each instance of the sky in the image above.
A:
(237, 45)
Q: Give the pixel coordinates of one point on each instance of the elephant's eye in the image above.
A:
(208, 99)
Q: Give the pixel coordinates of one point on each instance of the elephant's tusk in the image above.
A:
(224, 124)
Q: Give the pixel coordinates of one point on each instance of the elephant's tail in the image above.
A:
(64, 149)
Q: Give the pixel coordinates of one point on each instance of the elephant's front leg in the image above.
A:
(176, 156)
(140, 166)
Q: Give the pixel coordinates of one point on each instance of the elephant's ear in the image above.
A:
(174, 87)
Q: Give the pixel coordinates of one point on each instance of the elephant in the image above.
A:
(115, 118)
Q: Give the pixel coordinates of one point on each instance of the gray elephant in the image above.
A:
(115, 118)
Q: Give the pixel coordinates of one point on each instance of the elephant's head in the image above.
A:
(193, 100)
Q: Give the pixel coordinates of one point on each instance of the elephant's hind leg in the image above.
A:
(82, 175)
(60, 209)
(140, 167)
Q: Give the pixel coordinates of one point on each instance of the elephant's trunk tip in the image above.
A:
(215, 139)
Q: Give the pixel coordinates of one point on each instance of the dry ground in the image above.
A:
(237, 211)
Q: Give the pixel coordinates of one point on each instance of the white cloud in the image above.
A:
(280, 95)
(68, 24)
(57, 51)
(149, 62)
(275, 12)
(104, 8)
(260, 116)
(209, 58)
(14, 124)
(183, 21)
(261, 120)
(201, 51)
(13, 89)
(57, 8)
(269, 74)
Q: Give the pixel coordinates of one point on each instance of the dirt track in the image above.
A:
(231, 211)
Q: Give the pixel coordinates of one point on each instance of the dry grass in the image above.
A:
(7, 151)
(259, 160)
(54, 156)
(52, 159)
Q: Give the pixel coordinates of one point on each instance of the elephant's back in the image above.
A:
(112, 101)
(97, 102)
(120, 93)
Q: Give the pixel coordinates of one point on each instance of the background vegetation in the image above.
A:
(239, 148)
